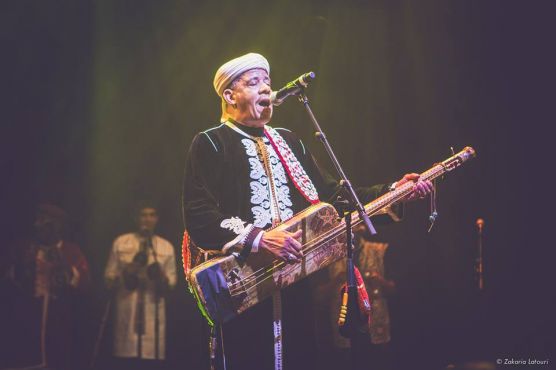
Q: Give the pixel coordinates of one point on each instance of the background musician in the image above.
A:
(141, 269)
(49, 277)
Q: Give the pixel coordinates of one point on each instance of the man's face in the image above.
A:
(47, 229)
(251, 96)
(147, 220)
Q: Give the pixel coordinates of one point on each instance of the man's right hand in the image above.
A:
(282, 245)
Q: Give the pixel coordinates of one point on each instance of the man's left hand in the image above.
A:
(420, 188)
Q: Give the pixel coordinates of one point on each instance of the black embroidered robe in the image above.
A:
(226, 188)
(226, 197)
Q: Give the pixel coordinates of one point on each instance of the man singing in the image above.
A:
(244, 176)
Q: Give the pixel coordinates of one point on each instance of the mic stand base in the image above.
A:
(352, 322)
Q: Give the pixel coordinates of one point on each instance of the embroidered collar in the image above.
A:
(250, 132)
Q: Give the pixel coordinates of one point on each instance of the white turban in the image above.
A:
(231, 70)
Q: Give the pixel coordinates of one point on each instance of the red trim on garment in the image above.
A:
(289, 170)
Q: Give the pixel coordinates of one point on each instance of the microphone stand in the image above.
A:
(156, 301)
(353, 204)
(140, 304)
(100, 334)
(140, 319)
(479, 260)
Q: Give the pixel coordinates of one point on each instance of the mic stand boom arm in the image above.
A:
(344, 181)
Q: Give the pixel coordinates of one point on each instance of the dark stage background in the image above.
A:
(100, 100)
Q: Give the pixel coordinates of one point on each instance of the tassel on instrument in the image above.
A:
(343, 308)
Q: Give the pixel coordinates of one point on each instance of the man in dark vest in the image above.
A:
(242, 177)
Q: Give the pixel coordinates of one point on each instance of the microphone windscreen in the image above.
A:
(273, 98)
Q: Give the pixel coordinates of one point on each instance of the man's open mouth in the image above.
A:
(264, 102)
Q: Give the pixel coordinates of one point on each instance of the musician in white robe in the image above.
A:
(141, 269)
(242, 177)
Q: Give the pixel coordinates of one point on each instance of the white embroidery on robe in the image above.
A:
(257, 171)
(235, 224)
(260, 192)
(261, 216)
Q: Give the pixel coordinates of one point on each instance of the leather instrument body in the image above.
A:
(226, 286)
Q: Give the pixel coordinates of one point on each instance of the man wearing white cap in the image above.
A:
(244, 176)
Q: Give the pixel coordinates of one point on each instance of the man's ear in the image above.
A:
(228, 96)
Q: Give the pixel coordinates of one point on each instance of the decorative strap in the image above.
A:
(186, 254)
(363, 300)
(268, 169)
(276, 297)
(277, 326)
(294, 169)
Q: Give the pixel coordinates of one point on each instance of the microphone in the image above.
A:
(480, 223)
(292, 88)
(148, 234)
